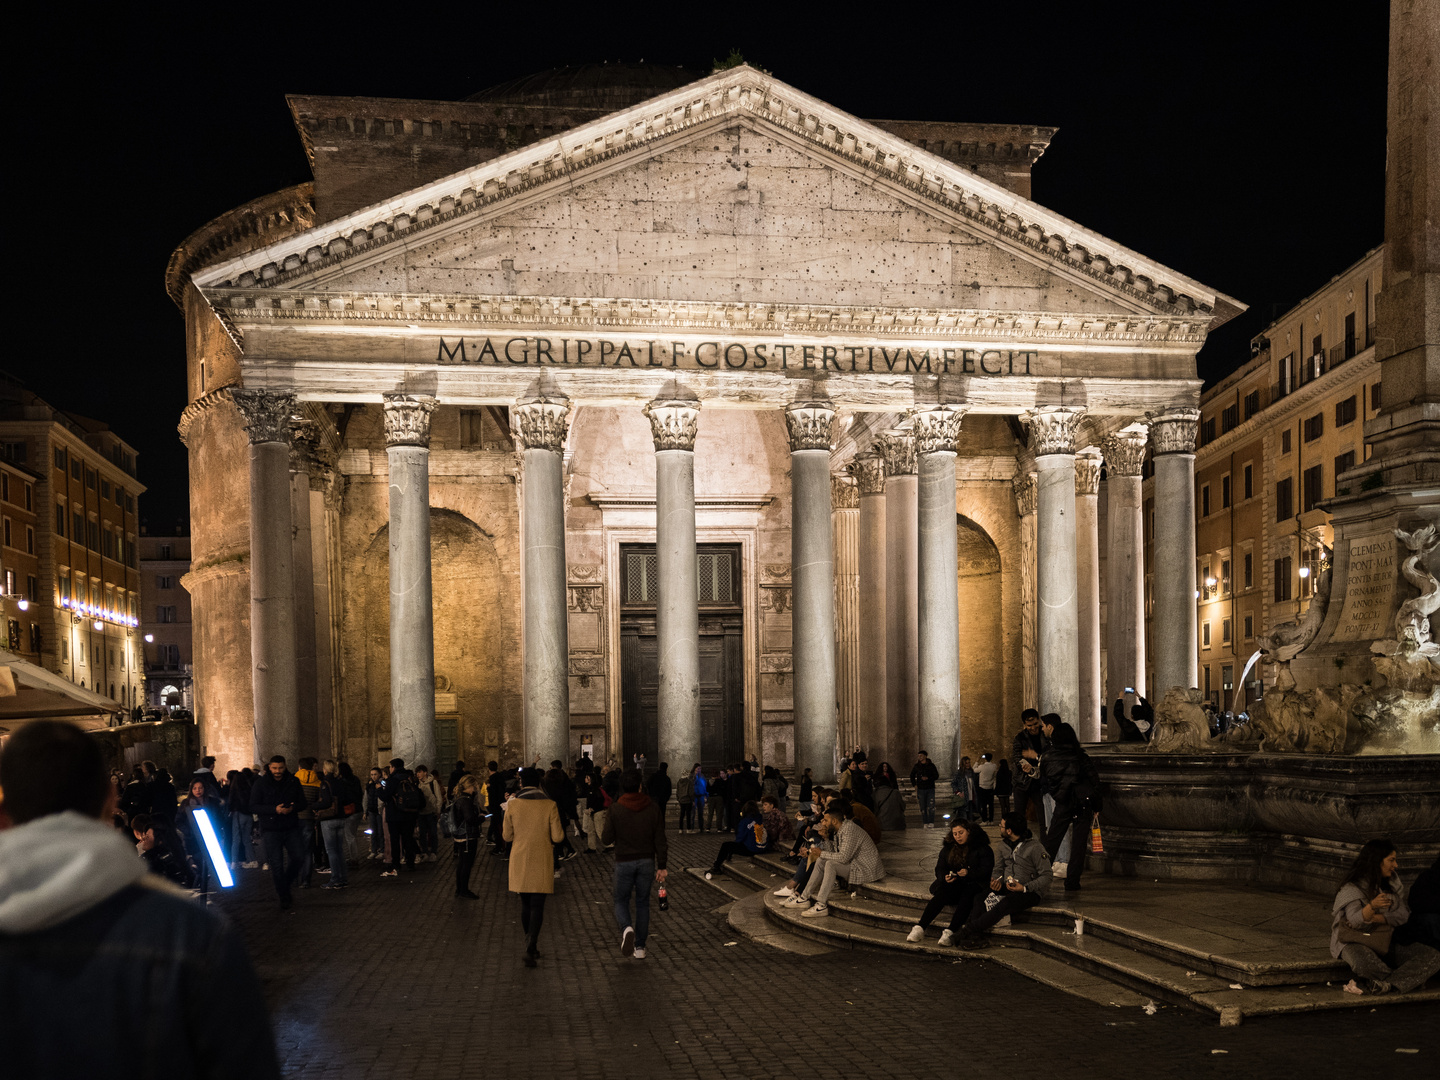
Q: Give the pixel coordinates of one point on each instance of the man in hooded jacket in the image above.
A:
(106, 969)
(636, 826)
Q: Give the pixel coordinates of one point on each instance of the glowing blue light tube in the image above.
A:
(212, 845)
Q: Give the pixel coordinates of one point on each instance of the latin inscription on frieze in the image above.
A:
(732, 356)
(1369, 589)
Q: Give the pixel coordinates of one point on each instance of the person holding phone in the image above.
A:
(277, 798)
(962, 871)
(1368, 908)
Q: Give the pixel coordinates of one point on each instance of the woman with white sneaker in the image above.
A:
(962, 872)
(854, 857)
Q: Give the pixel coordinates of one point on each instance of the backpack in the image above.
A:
(452, 826)
(408, 799)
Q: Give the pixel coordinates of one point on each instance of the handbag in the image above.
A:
(1097, 842)
(1378, 939)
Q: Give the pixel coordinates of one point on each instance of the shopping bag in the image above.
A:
(1097, 843)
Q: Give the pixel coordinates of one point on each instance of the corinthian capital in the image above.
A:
(407, 420)
(809, 424)
(674, 423)
(542, 422)
(1087, 472)
(844, 494)
(1024, 493)
(898, 449)
(266, 414)
(1052, 429)
(937, 428)
(1174, 430)
(869, 472)
(304, 445)
(1125, 453)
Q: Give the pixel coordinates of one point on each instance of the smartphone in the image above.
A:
(1129, 689)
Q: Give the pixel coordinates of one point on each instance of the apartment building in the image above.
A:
(1275, 434)
(19, 559)
(83, 491)
(165, 621)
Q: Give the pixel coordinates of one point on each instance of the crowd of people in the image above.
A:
(83, 857)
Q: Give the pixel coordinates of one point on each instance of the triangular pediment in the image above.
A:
(734, 189)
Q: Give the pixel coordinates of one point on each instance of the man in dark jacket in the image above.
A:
(403, 803)
(1025, 753)
(561, 789)
(1074, 783)
(923, 776)
(659, 787)
(276, 800)
(636, 827)
(105, 970)
(136, 798)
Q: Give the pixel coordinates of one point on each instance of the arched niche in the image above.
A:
(982, 668)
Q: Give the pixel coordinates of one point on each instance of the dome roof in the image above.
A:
(597, 86)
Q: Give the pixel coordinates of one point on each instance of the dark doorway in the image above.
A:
(722, 657)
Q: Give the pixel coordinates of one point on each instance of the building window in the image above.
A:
(32, 588)
(64, 651)
(104, 488)
(1282, 579)
(29, 540)
(165, 551)
(129, 504)
(1249, 482)
(1314, 427)
(14, 451)
(1285, 441)
(1284, 500)
(165, 613)
(5, 487)
(1208, 691)
(1224, 577)
(1226, 633)
(14, 634)
(1314, 483)
(1227, 680)
(1350, 335)
(64, 585)
(1205, 501)
(164, 582)
(92, 535)
(1345, 411)
(1287, 375)
(1207, 583)
(1225, 491)
(1252, 403)
(1205, 638)
(1343, 464)
(75, 468)
(1207, 431)
(7, 532)
(37, 639)
(9, 582)
(29, 497)
(1375, 395)
(1249, 565)
(77, 533)
(90, 478)
(60, 458)
(1249, 627)
(1230, 418)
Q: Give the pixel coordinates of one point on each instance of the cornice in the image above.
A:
(477, 312)
(198, 408)
(722, 99)
(1297, 401)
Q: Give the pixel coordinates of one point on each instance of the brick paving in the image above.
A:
(396, 978)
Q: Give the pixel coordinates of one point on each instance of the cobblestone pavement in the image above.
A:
(396, 978)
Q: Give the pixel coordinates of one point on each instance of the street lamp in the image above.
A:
(1304, 571)
(99, 625)
(150, 638)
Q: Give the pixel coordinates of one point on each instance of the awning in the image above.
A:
(29, 692)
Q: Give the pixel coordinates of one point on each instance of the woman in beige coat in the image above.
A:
(532, 828)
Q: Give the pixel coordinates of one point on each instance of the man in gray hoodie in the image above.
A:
(1022, 878)
(107, 969)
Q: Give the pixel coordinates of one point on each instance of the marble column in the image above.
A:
(412, 611)
(937, 431)
(1024, 487)
(869, 472)
(1172, 438)
(845, 526)
(272, 573)
(812, 559)
(1125, 568)
(673, 423)
(307, 705)
(542, 423)
(1052, 438)
(902, 597)
(1087, 586)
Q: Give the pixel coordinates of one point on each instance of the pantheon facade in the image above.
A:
(615, 410)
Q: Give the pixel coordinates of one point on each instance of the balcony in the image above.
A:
(1351, 347)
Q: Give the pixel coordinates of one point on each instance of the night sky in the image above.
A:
(1241, 144)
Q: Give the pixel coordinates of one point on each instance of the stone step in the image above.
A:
(892, 900)
(733, 888)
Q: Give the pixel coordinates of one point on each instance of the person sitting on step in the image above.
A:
(751, 839)
(1368, 909)
(854, 858)
(962, 872)
(1020, 882)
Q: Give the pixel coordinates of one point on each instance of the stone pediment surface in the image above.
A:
(735, 189)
